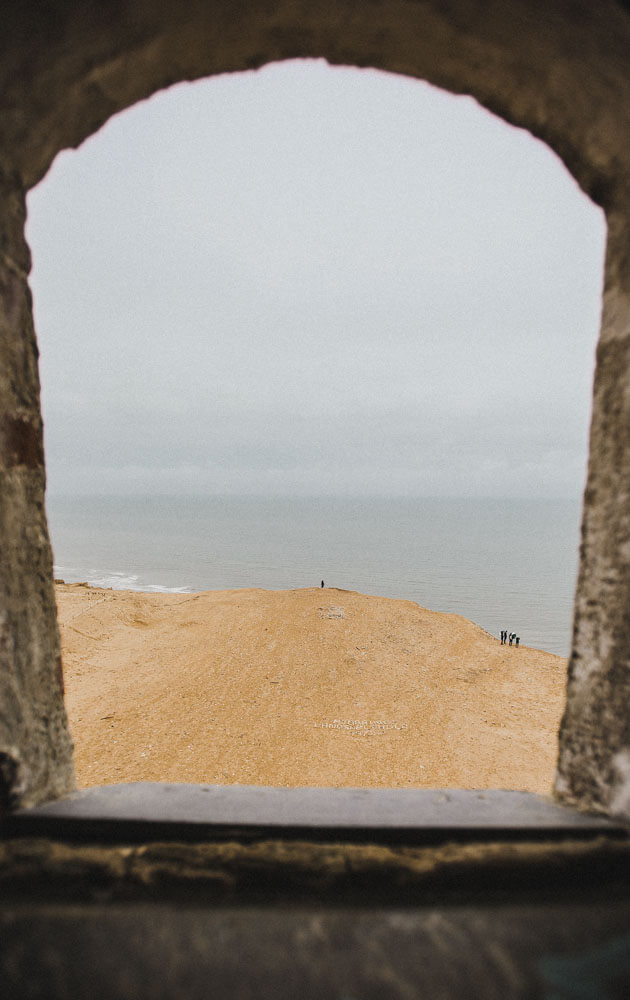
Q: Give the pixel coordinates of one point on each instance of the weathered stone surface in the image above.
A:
(35, 748)
(282, 920)
(594, 761)
(560, 69)
(150, 952)
(234, 871)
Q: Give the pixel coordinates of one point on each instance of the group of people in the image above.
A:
(510, 639)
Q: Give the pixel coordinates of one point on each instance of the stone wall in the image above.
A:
(560, 68)
(594, 764)
(35, 749)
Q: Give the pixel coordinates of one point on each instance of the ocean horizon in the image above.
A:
(503, 563)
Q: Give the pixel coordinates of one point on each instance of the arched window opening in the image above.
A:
(356, 317)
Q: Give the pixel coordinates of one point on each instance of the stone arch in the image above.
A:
(560, 69)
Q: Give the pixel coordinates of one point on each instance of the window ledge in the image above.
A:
(143, 811)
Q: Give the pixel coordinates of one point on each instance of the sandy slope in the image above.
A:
(301, 687)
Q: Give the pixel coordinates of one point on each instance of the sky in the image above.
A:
(307, 280)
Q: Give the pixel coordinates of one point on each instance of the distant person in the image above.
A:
(322, 583)
(511, 637)
(518, 639)
(503, 635)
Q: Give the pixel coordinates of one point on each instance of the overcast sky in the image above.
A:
(312, 280)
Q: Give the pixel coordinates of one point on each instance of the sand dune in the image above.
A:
(301, 687)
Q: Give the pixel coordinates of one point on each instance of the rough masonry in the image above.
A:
(560, 68)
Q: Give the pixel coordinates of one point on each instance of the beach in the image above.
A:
(307, 687)
(502, 563)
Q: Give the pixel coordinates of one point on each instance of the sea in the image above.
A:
(503, 563)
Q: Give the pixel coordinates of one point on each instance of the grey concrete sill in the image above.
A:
(354, 893)
(131, 813)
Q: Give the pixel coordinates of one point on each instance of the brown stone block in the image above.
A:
(13, 246)
(20, 442)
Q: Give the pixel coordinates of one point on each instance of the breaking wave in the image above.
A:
(113, 580)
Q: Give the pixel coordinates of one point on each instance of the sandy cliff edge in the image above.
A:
(301, 687)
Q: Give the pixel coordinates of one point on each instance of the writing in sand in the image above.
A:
(362, 727)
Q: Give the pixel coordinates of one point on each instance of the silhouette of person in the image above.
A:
(322, 583)
(518, 639)
(511, 637)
